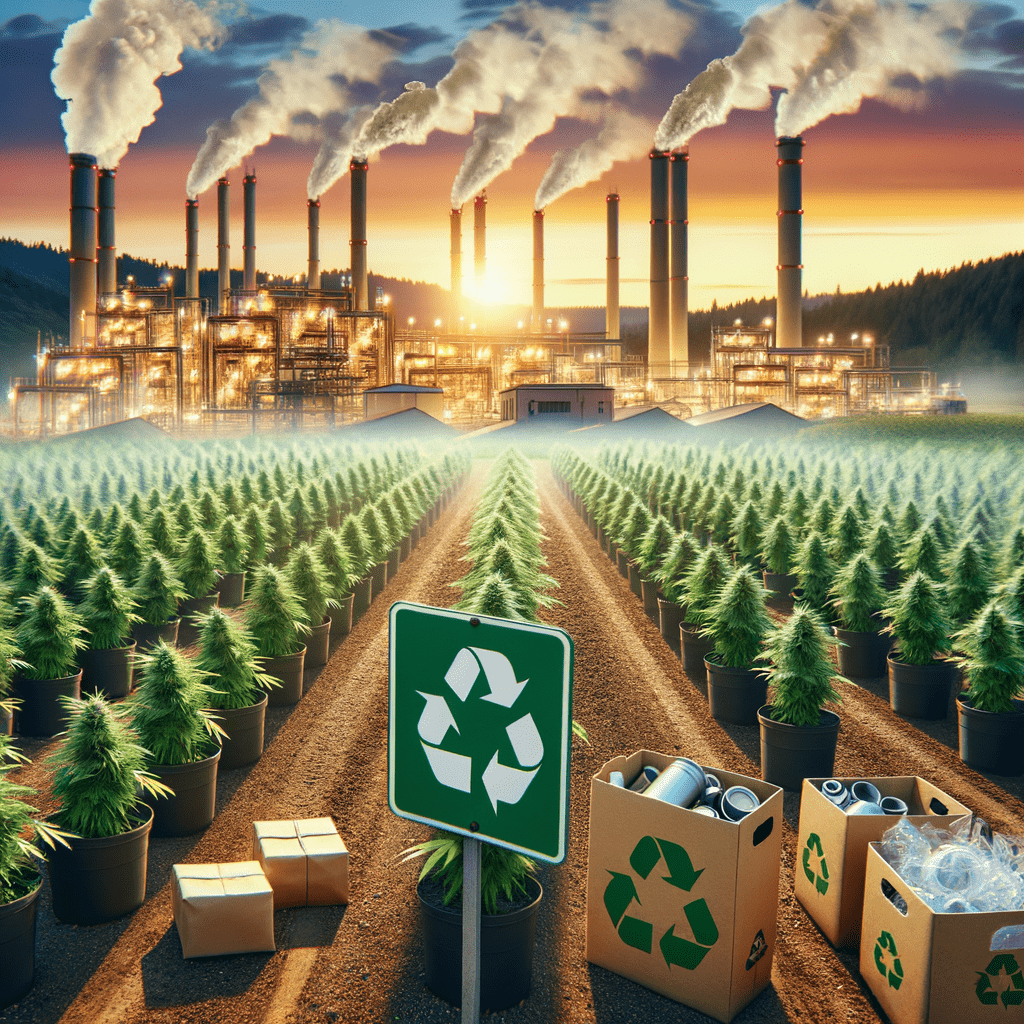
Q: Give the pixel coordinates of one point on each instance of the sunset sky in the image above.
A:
(886, 191)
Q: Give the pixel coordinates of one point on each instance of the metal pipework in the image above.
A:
(679, 282)
(357, 242)
(84, 238)
(480, 240)
(456, 258)
(659, 326)
(192, 248)
(538, 269)
(611, 304)
(223, 244)
(313, 269)
(788, 312)
(249, 233)
(106, 253)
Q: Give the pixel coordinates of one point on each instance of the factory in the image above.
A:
(300, 355)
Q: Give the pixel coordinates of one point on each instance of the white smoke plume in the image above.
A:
(335, 153)
(108, 64)
(309, 81)
(597, 51)
(623, 136)
(828, 58)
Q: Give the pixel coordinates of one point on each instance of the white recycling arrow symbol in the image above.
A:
(503, 783)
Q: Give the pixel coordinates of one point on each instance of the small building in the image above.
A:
(392, 398)
(753, 417)
(555, 403)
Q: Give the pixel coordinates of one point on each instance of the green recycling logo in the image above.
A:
(884, 944)
(817, 877)
(1004, 968)
(503, 783)
(620, 894)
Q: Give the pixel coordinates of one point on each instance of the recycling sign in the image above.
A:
(814, 863)
(1001, 983)
(887, 960)
(479, 727)
(688, 945)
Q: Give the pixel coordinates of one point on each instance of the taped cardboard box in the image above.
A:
(929, 968)
(222, 908)
(305, 861)
(681, 903)
(832, 848)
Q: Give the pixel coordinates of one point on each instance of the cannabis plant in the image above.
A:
(746, 534)
(969, 584)
(108, 611)
(671, 577)
(128, 552)
(254, 530)
(227, 658)
(353, 536)
(232, 544)
(196, 565)
(778, 547)
(737, 621)
(274, 614)
(49, 635)
(993, 659)
(308, 578)
(158, 591)
(703, 584)
(857, 595)
(815, 571)
(918, 620)
(337, 564)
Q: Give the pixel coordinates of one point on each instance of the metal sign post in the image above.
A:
(472, 863)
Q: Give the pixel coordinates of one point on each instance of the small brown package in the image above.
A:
(305, 861)
(222, 908)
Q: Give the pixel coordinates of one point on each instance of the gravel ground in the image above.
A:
(328, 755)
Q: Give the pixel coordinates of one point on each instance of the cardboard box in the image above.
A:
(222, 908)
(832, 848)
(928, 968)
(679, 902)
(305, 861)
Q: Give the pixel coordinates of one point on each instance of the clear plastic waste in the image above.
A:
(965, 869)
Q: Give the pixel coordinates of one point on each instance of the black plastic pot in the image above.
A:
(622, 562)
(392, 565)
(318, 644)
(194, 802)
(41, 712)
(506, 952)
(341, 618)
(146, 636)
(231, 589)
(862, 655)
(649, 594)
(670, 618)
(780, 583)
(379, 579)
(108, 671)
(633, 575)
(404, 549)
(99, 880)
(920, 691)
(188, 631)
(243, 742)
(361, 594)
(6, 722)
(792, 753)
(991, 741)
(17, 946)
(288, 669)
(694, 648)
(735, 694)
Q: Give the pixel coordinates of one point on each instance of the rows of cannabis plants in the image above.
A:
(923, 548)
(86, 578)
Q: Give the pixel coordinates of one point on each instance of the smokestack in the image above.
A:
(538, 270)
(106, 253)
(223, 244)
(249, 233)
(788, 311)
(658, 324)
(611, 305)
(192, 248)
(360, 285)
(82, 257)
(480, 240)
(313, 272)
(679, 282)
(456, 254)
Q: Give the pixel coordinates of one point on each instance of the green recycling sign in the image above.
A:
(479, 727)
(683, 948)
(814, 864)
(1002, 982)
(887, 960)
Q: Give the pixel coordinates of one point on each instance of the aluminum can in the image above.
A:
(682, 783)
(617, 779)
(705, 811)
(737, 802)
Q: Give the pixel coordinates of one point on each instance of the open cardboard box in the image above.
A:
(832, 847)
(683, 903)
(305, 861)
(929, 968)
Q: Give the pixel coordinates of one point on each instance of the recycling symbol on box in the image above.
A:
(620, 894)
(503, 783)
(1004, 965)
(886, 943)
(818, 878)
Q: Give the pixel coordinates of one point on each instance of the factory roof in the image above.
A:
(646, 414)
(403, 389)
(411, 424)
(564, 386)
(134, 430)
(742, 416)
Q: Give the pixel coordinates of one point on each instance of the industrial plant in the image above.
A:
(302, 355)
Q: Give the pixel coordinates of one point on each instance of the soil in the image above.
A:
(328, 756)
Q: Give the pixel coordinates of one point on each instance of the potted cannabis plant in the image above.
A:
(798, 733)
(357, 544)
(340, 581)
(98, 770)
(49, 636)
(169, 714)
(920, 676)
(108, 613)
(10, 663)
(990, 711)
(275, 618)
(671, 576)
(308, 578)
(969, 582)
(157, 594)
(737, 626)
(778, 551)
(197, 570)
(232, 542)
(815, 572)
(238, 688)
(702, 587)
(654, 546)
(858, 597)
